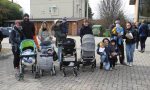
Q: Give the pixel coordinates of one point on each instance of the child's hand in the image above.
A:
(110, 57)
(120, 55)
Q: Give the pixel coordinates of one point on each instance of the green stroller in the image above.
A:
(28, 58)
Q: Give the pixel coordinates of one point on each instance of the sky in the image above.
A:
(128, 9)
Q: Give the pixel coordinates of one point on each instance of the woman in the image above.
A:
(85, 29)
(58, 33)
(135, 27)
(44, 35)
(16, 37)
(130, 43)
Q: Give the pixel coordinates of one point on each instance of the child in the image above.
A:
(102, 53)
(113, 53)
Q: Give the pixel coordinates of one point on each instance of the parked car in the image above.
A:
(6, 31)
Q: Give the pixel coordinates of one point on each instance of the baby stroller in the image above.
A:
(88, 51)
(28, 57)
(46, 61)
(69, 51)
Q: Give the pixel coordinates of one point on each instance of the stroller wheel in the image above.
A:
(95, 63)
(75, 71)
(36, 75)
(78, 66)
(60, 66)
(92, 67)
(64, 73)
(41, 72)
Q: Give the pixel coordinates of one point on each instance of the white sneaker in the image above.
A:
(110, 69)
(16, 71)
(130, 65)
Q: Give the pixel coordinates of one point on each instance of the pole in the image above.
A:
(12, 1)
(87, 9)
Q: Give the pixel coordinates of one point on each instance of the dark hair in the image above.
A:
(106, 39)
(26, 15)
(130, 24)
(113, 41)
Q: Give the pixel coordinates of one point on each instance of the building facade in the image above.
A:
(57, 8)
(142, 10)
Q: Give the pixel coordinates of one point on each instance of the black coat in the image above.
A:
(85, 30)
(28, 29)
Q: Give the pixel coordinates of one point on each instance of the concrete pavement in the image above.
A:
(124, 78)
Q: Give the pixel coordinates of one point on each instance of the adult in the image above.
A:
(136, 28)
(85, 29)
(60, 36)
(143, 32)
(117, 34)
(16, 36)
(130, 43)
(45, 35)
(1, 38)
(28, 29)
(64, 26)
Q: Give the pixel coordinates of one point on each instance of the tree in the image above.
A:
(9, 11)
(90, 14)
(110, 10)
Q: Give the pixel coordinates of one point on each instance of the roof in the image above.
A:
(48, 19)
(132, 2)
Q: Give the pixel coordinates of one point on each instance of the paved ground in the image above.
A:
(124, 78)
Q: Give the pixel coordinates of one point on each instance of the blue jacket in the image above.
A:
(143, 30)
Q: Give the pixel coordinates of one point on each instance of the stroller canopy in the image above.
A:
(88, 43)
(27, 43)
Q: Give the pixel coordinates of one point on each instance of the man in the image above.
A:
(64, 26)
(28, 29)
(143, 32)
(118, 33)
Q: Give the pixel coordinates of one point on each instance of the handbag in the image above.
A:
(129, 35)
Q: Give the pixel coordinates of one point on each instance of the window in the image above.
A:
(53, 10)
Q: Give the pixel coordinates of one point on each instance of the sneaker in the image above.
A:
(111, 69)
(131, 63)
(16, 71)
(128, 64)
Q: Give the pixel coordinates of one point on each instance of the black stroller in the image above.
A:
(69, 51)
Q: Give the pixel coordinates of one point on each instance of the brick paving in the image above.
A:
(124, 78)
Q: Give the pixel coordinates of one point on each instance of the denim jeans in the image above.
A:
(130, 52)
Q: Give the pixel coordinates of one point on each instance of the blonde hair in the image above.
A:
(101, 44)
(47, 28)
